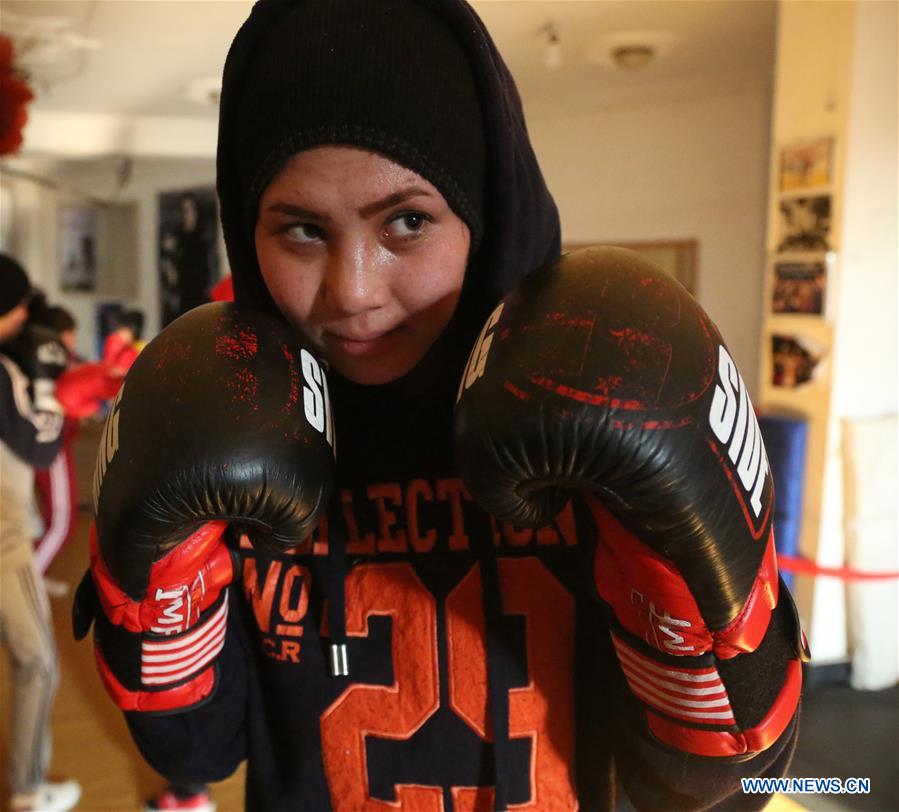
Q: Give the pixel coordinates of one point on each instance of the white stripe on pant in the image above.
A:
(60, 509)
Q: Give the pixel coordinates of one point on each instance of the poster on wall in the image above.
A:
(804, 224)
(800, 286)
(795, 360)
(78, 248)
(806, 165)
(188, 250)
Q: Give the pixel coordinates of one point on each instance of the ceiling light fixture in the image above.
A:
(633, 57)
(631, 50)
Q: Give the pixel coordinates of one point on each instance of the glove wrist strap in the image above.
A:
(687, 704)
(722, 743)
(174, 672)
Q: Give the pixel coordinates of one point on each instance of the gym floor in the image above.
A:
(844, 733)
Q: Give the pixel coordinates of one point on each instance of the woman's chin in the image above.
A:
(371, 373)
(374, 371)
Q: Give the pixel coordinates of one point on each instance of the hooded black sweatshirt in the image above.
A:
(481, 671)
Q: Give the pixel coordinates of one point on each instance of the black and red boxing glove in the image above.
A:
(39, 352)
(602, 375)
(158, 654)
(222, 426)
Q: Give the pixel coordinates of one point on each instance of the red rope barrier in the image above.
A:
(802, 566)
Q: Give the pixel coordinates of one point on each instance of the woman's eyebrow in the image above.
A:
(295, 211)
(369, 210)
(392, 200)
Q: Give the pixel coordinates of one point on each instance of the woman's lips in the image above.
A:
(360, 346)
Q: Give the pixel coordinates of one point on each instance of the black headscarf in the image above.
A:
(14, 284)
(521, 229)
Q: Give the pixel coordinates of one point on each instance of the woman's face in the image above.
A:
(362, 255)
(68, 339)
(11, 323)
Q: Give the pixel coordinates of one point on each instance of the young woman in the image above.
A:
(379, 194)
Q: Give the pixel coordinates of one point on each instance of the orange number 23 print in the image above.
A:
(399, 710)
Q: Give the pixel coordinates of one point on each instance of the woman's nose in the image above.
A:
(356, 279)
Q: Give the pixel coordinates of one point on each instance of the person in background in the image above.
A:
(31, 358)
(86, 388)
(57, 318)
(62, 320)
(57, 486)
(120, 347)
(82, 390)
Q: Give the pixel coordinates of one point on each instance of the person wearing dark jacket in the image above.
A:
(332, 605)
(31, 420)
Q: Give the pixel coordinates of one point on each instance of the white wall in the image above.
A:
(865, 375)
(691, 170)
(865, 386)
(35, 231)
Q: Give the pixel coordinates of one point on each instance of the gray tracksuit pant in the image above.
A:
(26, 633)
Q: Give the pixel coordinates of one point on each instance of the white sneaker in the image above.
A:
(48, 797)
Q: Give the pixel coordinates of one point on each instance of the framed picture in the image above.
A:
(78, 248)
(806, 165)
(188, 250)
(675, 257)
(800, 286)
(794, 360)
(804, 224)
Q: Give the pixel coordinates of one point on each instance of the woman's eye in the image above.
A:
(409, 224)
(304, 233)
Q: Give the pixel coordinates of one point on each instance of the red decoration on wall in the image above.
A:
(14, 96)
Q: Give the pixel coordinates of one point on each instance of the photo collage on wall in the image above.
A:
(803, 256)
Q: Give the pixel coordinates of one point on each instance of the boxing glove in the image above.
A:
(222, 422)
(39, 352)
(41, 357)
(602, 376)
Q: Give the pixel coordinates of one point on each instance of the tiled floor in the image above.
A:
(850, 734)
